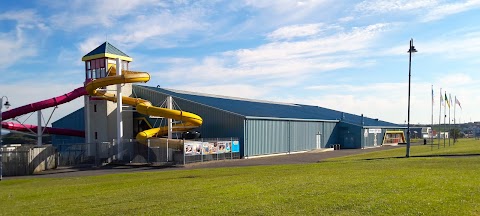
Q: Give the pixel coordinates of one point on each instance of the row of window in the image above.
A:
(96, 68)
(96, 73)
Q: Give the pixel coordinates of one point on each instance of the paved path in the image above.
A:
(298, 158)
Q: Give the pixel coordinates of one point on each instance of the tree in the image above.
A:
(455, 133)
(16, 138)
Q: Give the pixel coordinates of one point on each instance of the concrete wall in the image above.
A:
(27, 159)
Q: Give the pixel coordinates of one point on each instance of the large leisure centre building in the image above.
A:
(261, 127)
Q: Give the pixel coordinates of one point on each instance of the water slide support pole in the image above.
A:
(119, 112)
(39, 128)
(88, 137)
(169, 106)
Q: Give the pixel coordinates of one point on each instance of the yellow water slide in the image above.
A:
(188, 120)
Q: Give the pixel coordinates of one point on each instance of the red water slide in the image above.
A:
(48, 130)
(43, 105)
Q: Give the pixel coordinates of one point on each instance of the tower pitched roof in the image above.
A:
(106, 50)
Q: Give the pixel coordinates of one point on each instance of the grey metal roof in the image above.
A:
(106, 48)
(273, 110)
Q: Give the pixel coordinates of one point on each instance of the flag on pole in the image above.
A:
(433, 96)
(458, 102)
(446, 100)
(451, 100)
(441, 98)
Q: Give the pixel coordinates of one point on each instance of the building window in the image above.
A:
(95, 108)
(97, 73)
(102, 72)
(96, 135)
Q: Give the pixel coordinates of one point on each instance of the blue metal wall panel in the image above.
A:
(303, 135)
(266, 137)
(349, 136)
(329, 134)
(74, 120)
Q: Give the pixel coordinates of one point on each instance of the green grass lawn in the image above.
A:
(463, 147)
(377, 183)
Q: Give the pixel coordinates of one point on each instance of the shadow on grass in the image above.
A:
(426, 156)
(65, 170)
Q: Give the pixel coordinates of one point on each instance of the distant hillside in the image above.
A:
(15, 138)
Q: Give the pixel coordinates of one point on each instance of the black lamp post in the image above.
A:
(411, 50)
(7, 105)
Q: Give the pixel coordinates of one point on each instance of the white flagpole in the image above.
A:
(431, 132)
(444, 121)
(439, 117)
(449, 118)
(454, 121)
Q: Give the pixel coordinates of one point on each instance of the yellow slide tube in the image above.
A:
(189, 120)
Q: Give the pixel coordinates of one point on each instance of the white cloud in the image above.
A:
(294, 31)
(321, 48)
(444, 10)
(427, 10)
(284, 5)
(456, 80)
(346, 19)
(89, 44)
(265, 15)
(166, 29)
(78, 14)
(461, 46)
(385, 6)
(465, 88)
(19, 42)
(151, 24)
(275, 62)
(23, 16)
(14, 47)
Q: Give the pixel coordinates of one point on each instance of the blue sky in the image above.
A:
(345, 55)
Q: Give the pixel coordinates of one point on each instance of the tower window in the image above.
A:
(97, 73)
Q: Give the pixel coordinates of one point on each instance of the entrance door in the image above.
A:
(319, 141)
(348, 141)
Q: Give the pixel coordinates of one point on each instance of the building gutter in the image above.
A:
(289, 119)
